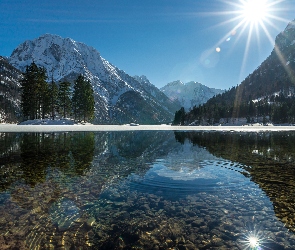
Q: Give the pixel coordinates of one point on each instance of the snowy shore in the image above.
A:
(93, 128)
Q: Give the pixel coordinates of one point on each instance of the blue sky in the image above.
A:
(165, 40)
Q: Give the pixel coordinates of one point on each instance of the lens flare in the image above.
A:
(209, 58)
(253, 19)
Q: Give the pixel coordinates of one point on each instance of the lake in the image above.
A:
(147, 190)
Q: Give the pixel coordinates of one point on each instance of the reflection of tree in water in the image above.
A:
(268, 157)
(7, 143)
(68, 152)
(62, 202)
(42, 158)
(9, 159)
(82, 148)
(29, 156)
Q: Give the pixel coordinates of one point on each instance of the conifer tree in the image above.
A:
(43, 94)
(34, 96)
(64, 98)
(53, 96)
(88, 102)
(83, 100)
(28, 88)
(179, 117)
(77, 97)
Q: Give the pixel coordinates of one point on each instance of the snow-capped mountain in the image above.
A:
(189, 94)
(9, 91)
(64, 59)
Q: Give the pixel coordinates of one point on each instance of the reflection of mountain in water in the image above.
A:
(84, 196)
(30, 157)
(131, 152)
(268, 158)
(55, 179)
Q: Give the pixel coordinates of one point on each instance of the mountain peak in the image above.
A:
(118, 96)
(192, 83)
(291, 25)
(142, 79)
(189, 94)
(53, 51)
(175, 83)
(50, 36)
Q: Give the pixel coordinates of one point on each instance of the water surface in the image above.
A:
(147, 190)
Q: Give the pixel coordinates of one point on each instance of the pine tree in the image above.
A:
(88, 101)
(83, 100)
(77, 97)
(64, 98)
(34, 96)
(179, 117)
(28, 94)
(53, 96)
(43, 92)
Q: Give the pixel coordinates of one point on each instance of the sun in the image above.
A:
(254, 11)
(255, 17)
(249, 22)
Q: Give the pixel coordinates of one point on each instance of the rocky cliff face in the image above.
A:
(189, 94)
(64, 59)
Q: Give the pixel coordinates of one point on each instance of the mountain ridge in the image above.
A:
(265, 95)
(189, 94)
(64, 59)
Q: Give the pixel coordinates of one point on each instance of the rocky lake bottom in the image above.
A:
(147, 190)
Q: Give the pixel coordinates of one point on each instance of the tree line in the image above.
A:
(41, 99)
(278, 108)
(9, 91)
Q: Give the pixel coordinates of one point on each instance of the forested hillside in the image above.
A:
(9, 92)
(268, 93)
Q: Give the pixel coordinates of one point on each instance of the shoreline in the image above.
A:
(14, 128)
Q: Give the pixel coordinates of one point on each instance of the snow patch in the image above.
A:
(51, 122)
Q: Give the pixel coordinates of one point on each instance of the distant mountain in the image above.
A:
(119, 98)
(9, 92)
(189, 94)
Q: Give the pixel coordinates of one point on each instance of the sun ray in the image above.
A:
(252, 21)
(249, 18)
(229, 34)
(241, 32)
(246, 52)
(284, 20)
(228, 21)
(271, 40)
